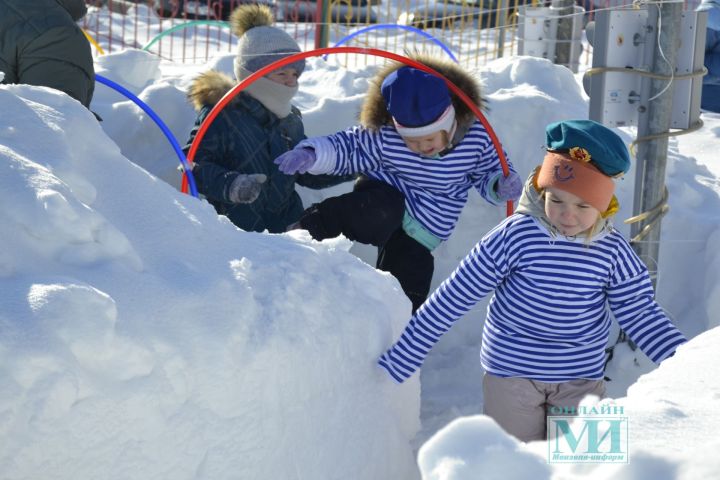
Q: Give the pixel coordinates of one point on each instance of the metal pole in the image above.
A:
(661, 48)
(502, 13)
(564, 10)
(322, 25)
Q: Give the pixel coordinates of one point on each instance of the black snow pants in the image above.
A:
(372, 214)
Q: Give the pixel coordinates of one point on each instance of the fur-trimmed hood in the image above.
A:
(374, 113)
(209, 88)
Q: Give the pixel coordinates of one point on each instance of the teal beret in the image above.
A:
(606, 149)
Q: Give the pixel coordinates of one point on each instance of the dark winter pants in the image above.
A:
(410, 262)
(372, 213)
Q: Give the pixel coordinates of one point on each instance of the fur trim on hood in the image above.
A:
(374, 113)
(531, 201)
(246, 17)
(209, 88)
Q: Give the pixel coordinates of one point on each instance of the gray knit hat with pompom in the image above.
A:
(260, 43)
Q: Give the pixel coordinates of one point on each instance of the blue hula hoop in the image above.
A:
(178, 151)
(383, 26)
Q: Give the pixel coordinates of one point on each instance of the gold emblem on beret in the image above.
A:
(579, 154)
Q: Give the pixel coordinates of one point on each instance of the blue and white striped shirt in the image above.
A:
(549, 317)
(435, 189)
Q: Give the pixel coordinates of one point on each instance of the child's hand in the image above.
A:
(246, 188)
(299, 160)
(384, 374)
(510, 187)
(386, 364)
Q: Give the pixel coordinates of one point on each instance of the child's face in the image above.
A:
(428, 145)
(570, 214)
(285, 76)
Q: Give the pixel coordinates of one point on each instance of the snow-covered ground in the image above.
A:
(143, 336)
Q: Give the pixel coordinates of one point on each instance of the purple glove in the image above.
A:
(510, 187)
(298, 160)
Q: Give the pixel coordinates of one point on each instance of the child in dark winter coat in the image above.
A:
(557, 269)
(233, 165)
(421, 149)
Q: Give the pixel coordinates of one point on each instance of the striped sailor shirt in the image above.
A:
(435, 189)
(549, 317)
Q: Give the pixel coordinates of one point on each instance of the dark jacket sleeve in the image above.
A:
(317, 182)
(47, 49)
(61, 59)
(212, 179)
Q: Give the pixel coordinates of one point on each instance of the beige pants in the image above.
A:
(520, 405)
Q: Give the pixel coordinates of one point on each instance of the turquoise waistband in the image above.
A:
(415, 230)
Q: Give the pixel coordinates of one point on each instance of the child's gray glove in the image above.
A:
(246, 188)
(510, 187)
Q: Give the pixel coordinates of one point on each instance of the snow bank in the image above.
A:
(145, 337)
(672, 424)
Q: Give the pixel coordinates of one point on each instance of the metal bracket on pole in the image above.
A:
(624, 43)
(538, 34)
(690, 58)
(618, 39)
